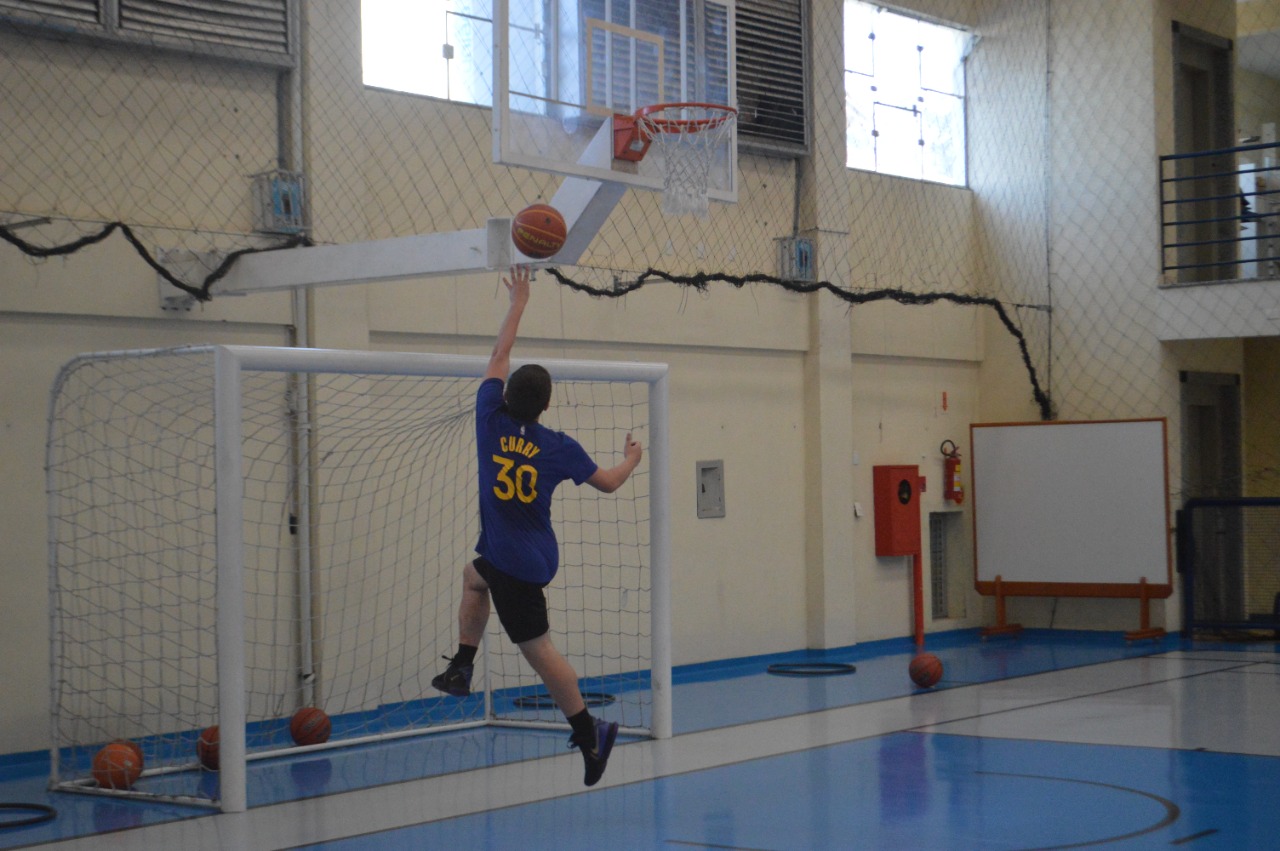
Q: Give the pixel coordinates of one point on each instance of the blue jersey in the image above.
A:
(520, 466)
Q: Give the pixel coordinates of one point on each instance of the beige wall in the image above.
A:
(1257, 103)
(801, 396)
(750, 583)
(1261, 406)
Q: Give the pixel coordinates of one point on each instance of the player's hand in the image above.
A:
(631, 450)
(518, 285)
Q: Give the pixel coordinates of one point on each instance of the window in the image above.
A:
(444, 49)
(904, 94)
(441, 48)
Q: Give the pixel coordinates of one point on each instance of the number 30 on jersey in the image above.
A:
(523, 485)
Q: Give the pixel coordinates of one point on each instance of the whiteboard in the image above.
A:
(1071, 508)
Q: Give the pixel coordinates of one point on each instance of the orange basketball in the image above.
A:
(310, 726)
(137, 751)
(207, 747)
(925, 670)
(538, 231)
(118, 765)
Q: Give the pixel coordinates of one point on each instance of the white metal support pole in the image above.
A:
(487, 682)
(660, 557)
(229, 525)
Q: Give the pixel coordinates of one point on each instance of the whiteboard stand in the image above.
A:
(1002, 627)
(1145, 630)
(1072, 509)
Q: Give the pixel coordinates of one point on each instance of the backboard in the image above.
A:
(563, 68)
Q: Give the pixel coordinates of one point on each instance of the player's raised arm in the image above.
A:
(517, 285)
(609, 480)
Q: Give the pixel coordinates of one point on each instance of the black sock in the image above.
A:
(584, 727)
(466, 655)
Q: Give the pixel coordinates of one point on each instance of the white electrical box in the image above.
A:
(280, 202)
(710, 489)
(796, 259)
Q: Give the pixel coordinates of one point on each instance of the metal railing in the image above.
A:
(1220, 214)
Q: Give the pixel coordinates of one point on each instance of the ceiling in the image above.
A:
(1259, 53)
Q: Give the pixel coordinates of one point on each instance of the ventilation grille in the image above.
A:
(247, 25)
(246, 30)
(51, 11)
(771, 77)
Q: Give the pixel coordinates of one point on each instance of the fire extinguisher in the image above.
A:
(952, 480)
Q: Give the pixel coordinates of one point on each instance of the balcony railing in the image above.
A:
(1220, 214)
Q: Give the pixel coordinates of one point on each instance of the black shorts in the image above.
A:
(521, 606)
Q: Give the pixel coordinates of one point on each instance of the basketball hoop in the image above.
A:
(688, 134)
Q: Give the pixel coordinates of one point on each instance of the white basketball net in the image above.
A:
(688, 135)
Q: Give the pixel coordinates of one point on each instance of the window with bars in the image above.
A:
(904, 94)
(255, 31)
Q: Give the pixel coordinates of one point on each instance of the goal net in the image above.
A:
(237, 533)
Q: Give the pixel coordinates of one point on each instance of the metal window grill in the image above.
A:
(938, 565)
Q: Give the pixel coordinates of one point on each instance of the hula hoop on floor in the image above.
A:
(35, 814)
(811, 669)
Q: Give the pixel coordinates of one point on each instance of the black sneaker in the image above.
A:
(456, 679)
(596, 757)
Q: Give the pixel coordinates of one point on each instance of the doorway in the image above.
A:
(1211, 449)
(1204, 121)
(1211, 468)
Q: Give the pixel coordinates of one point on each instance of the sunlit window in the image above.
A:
(441, 48)
(904, 94)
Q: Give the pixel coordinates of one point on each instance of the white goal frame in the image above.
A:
(230, 363)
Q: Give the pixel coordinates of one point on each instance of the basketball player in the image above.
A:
(521, 463)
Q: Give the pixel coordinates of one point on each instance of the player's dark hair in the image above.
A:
(528, 392)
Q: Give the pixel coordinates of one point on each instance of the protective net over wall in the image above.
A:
(1062, 232)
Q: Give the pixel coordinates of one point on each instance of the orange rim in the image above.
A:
(720, 114)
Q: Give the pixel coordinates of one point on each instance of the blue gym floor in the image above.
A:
(1050, 740)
